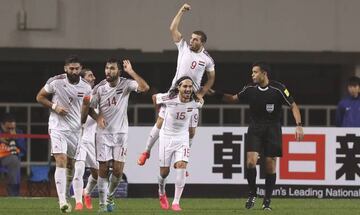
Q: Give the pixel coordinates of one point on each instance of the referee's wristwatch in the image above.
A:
(299, 124)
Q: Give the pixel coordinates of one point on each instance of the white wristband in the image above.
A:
(53, 106)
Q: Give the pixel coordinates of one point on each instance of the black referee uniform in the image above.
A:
(264, 132)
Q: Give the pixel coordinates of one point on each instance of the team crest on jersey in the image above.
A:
(270, 108)
(201, 63)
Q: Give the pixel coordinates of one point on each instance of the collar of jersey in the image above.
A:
(263, 88)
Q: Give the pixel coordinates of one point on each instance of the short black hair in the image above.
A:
(203, 37)
(7, 117)
(353, 81)
(72, 59)
(114, 60)
(263, 66)
(83, 71)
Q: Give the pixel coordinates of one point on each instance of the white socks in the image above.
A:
(179, 184)
(69, 177)
(113, 183)
(60, 182)
(90, 185)
(162, 183)
(153, 136)
(190, 142)
(103, 189)
(78, 182)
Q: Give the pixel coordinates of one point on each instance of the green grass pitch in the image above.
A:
(12, 206)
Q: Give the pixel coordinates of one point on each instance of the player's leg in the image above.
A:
(270, 181)
(181, 159)
(92, 179)
(92, 182)
(78, 182)
(59, 149)
(119, 155)
(165, 154)
(153, 136)
(194, 121)
(272, 150)
(253, 147)
(103, 155)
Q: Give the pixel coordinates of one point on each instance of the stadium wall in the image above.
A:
(254, 25)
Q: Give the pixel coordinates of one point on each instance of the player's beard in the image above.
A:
(111, 78)
(73, 78)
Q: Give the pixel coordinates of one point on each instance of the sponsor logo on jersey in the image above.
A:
(269, 108)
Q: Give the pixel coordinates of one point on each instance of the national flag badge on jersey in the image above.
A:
(201, 63)
(189, 109)
(286, 92)
(119, 91)
(80, 94)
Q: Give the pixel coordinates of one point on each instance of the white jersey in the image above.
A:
(192, 64)
(177, 114)
(112, 103)
(69, 96)
(89, 130)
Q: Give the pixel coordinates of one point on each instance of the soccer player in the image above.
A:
(174, 136)
(265, 98)
(68, 91)
(111, 97)
(85, 156)
(193, 60)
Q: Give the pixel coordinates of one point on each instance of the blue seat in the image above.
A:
(39, 181)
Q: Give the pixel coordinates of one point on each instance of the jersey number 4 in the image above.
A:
(111, 101)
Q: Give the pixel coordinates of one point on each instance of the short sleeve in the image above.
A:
(288, 99)
(181, 45)
(49, 87)
(133, 85)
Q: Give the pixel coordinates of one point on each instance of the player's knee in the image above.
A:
(251, 163)
(94, 173)
(191, 133)
(61, 160)
(164, 172)
(180, 165)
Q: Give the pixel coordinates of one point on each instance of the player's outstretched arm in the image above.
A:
(143, 86)
(299, 133)
(174, 26)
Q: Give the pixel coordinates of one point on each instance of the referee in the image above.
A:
(265, 98)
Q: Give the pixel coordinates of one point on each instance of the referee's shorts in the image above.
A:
(264, 138)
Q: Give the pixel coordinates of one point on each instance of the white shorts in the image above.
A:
(194, 117)
(64, 142)
(173, 149)
(111, 147)
(86, 152)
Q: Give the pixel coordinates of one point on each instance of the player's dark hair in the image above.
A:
(174, 91)
(353, 81)
(264, 67)
(202, 35)
(72, 59)
(7, 117)
(83, 72)
(114, 60)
